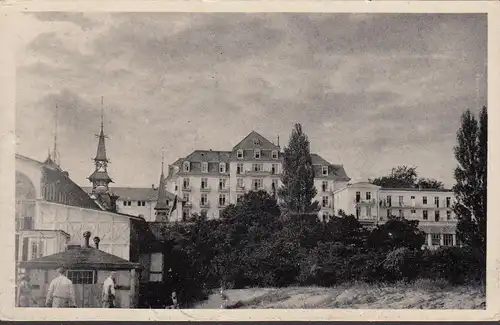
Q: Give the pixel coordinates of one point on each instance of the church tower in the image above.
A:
(100, 179)
(162, 208)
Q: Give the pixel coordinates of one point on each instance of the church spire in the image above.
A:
(161, 205)
(100, 178)
(55, 154)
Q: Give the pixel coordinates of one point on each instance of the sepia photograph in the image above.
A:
(251, 160)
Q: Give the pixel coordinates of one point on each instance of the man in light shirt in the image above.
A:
(108, 291)
(61, 293)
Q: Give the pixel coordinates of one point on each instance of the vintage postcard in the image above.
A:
(249, 161)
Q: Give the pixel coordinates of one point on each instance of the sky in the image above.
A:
(372, 91)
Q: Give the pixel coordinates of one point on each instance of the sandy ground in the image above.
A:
(355, 296)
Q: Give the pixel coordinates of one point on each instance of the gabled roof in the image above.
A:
(208, 156)
(80, 258)
(249, 142)
(318, 160)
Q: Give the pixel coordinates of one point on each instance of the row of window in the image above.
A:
(437, 200)
(257, 184)
(446, 238)
(257, 154)
(256, 167)
(401, 213)
(139, 203)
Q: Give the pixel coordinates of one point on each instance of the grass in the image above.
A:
(420, 294)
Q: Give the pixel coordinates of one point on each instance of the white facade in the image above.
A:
(373, 204)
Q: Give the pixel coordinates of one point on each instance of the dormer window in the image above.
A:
(222, 167)
(257, 154)
(275, 154)
(325, 170)
(187, 166)
(240, 154)
(204, 167)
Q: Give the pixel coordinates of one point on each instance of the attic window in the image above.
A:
(186, 166)
(325, 170)
(257, 154)
(256, 142)
(240, 154)
(275, 154)
(204, 167)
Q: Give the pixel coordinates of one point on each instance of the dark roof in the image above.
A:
(100, 175)
(416, 189)
(80, 258)
(135, 193)
(208, 156)
(249, 142)
(318, 160)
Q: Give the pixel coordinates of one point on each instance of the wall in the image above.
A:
(146, 211)
(112, 229)
(47, 243)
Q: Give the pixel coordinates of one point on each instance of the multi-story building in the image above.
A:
(373, 205)
(210, 180)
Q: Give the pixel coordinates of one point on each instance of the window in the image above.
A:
(401, 201)
(425, 214)
(274, 169)
(222, 167)
(448, 202)
(204, 183)
(368, 196)
(185, 183)
(222, 184)
(325, 170)
(448, 239)
(412, 197)
(176, 188)
(239, 169)
(275, 154)
(240, 154)
(257, 154)
(239, 183)
(127, 203)
(401, 213)
(156, 268)
(185, 196)
(186, 166)
(448, 215)
(369, 212)
(325, 201)
(358, 212)
(141, 203)
(274, 184)
(222, 200)
(257, 184)
(204, 199)
(436, 239)
(389, 213)
(257, 167)
(424, 200)
(239, 197)
(413, 212)
(436, 215)
(204, 167)
(185, 214)
(358, 197)
(436, 201)
(389, 201)
(34, 249)
(81, 276)
(324, 186)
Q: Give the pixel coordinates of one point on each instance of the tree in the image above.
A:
(397, 232)
(427, 183)
(298, 191)
(400, 177)
(471, 153)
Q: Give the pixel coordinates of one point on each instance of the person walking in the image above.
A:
(24, 292)
(61, 293)
(108, 291)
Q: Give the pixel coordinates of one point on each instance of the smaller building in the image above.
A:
(372, 205)
(87, 267)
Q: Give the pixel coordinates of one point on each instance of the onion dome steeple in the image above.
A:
(100, 179)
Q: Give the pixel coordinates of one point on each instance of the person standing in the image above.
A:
(61, 293)
(109, 291)
(24, 292)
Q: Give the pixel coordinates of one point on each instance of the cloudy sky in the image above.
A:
(372, 91)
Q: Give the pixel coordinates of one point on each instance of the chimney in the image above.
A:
(96, 242)
(86, 235)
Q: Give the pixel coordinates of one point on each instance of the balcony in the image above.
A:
(186, 188)
(240, 188)
(205, 189)
(188, 204)
(326, 206)
(364, 202)
(252, 172)
(222, 204)
(223, 189)
(205, 204)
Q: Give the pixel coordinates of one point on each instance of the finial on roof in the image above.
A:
(102, 113)
(55, 155)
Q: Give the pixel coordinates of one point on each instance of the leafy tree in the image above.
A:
(471, 179)
(429, 183)
(396, 232)
(400, 177)
(298, 190)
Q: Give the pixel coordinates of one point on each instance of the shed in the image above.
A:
(87, 267)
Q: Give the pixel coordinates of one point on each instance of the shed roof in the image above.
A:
(80, 258)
